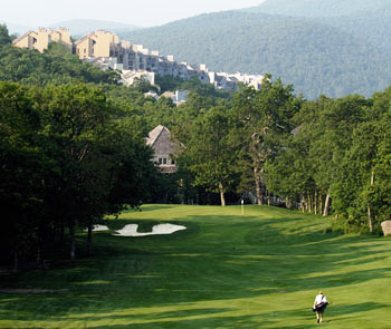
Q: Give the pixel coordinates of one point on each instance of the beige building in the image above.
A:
(105, 49)
(41, 39)
(97, 44)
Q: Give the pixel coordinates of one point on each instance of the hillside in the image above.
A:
(371, 28)
(321, 8)
(369, 21)
(316, 57)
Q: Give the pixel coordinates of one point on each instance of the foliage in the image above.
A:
(56, 65)
(340, 152)
(22, 167)
(261, 121)
(212, 161)
(364, 185)
(5, 39)
(320, 8)
(167, 83)
(66, 161)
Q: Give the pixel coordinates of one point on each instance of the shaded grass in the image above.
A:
(257, 268)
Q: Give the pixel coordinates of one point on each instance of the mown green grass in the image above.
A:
(254, 268)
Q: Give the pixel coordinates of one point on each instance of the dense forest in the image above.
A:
(72, 150)
(321, 8)
(368, 21)
(335, 52)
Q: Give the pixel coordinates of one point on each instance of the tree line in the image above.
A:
(67, 159)
(327, 156)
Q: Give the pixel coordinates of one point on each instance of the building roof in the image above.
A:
(23, 36)
(87, 36)
(155, 133)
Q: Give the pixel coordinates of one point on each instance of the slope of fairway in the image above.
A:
(232, 268)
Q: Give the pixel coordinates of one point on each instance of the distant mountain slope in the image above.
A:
(316, 58)
(321, 8)
(79, 27)
(372, 28)
(368, 20)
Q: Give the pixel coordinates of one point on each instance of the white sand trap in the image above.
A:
(99, 228)
(160, 229)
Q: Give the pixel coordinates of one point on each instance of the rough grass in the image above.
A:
(233, 268)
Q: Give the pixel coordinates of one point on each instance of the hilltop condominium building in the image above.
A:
(105, 49)
(41, 39)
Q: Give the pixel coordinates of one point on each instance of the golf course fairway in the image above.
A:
(232, 268)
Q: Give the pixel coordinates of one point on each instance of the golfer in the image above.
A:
(320, 304)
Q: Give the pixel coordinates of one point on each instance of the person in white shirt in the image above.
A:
(320, 304)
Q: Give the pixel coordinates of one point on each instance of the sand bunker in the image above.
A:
(160, 229)
(99, 228)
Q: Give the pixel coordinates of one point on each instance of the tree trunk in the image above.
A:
(287, 203)
(316, 202)
(309, 202)
(302, 203)
(89, 239)
(326, 205)
(39, 259)
(62, 232)
(258, 186)
(222, 194)
(16, 261)
(306, 207)
(370, 221)
(72, 251)
(370, 217)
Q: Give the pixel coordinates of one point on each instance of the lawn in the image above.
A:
(233, 268)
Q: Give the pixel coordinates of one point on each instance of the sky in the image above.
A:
(142, 13)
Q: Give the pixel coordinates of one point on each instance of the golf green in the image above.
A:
(233, 267)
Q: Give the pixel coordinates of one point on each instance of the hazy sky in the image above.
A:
(136, 12)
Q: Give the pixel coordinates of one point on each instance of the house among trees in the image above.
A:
(165, 149)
